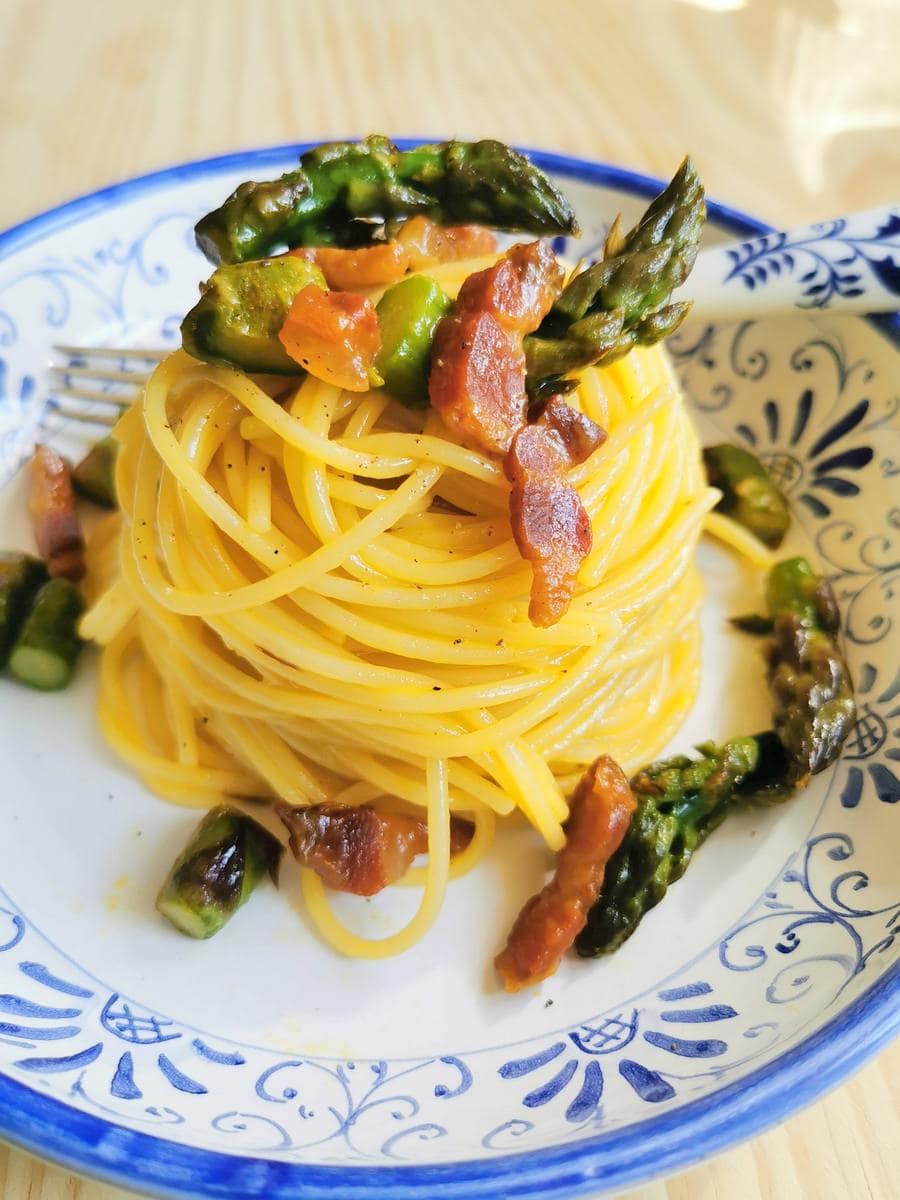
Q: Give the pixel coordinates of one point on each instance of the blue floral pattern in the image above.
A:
(829, 260)
(811, 933)
(120, 293)
(874, 741)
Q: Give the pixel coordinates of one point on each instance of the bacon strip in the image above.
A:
(519, 289)
(550, 921)
(550, 524)
(368, 266)
(420, 243)
(334, 335)
(477, 380)
(51, 503)
(427, 244)
(579, 434)
(359, 849)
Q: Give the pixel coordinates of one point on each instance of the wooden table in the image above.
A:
(792, 111)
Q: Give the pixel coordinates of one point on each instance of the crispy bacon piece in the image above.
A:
(360, 849)
(51, 503)
(477, 380)
(368, 266)
(549, 923)
(580, 435)
(476, 359)
(419, 243)
(334, 335)
(550, 524)
(519, 289)
(426, 243)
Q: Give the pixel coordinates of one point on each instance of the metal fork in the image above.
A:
(98, 383)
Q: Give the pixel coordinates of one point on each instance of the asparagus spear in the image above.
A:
(95, 476)
(624, 300)
(227, 856)
(241, 309)
(680, 801)
(341, 188)
(20, 577)
(48, 645)
(749, 495)
(812, 694)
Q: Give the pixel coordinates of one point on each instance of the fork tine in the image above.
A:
(155, 355)
(108, 398)
(133, 377)
(99, 407)
(106, 419)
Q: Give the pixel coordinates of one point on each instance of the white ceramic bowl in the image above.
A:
(261, 1064)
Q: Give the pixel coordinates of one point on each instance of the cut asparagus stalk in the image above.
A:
(95, 476)
(241, 310)
(227, 856)
(47, 648)
(749, 496)
(20, 577)
(408, 314)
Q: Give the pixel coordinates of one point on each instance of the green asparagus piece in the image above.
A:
(812, 694)
(237, 319)
(680, 801)
(47, 648)
(768, 784)
(341, 189)
(95, 476)
(794, 588)
(749, 495)
(624, 300)
(20, 577)
(227, 856)
(408, 314)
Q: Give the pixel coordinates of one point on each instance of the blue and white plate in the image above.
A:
(260, 1063)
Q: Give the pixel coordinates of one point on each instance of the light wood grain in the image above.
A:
(792, 111)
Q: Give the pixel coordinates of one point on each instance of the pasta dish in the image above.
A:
(405, 546)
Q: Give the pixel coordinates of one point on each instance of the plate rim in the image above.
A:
(644, 1150)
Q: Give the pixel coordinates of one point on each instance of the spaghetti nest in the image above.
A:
(316, 596)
